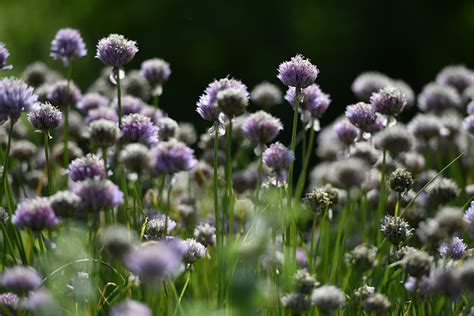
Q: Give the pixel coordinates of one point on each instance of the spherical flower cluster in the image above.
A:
(137, 128)
(136, 158)
(156, 71)
(362, 257)
(116, 51)
(389, 101)
(130, 308)
(97, 195)
(37, 74)
(104, 133)
(4, 54)
(154, 262)
(299, 72)
(417, 263)
(20, 279)
(207, 106)
(456, 76)
(117, 241)
(205, 234)
(194, 251)
(35, 214)
(454, 249)
(45, 117)
(130, 105)
(435, 97)
(62, 94)
(278, 158)
(232, 101)
(368, 83)
(171, 157)
(394, 139)
(468, 124)
(91, 101)
(64, 203)
(265, 95)
(67, 45)
(346, 132)
(395, 229)
(400, 180)
(87, 167)
(261, 127)
(102, 113)
(167, 128)
(313, 102)
(361, 115)
(328, 298)
(15, 97)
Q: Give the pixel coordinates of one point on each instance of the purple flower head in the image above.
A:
(35, 214)
(130, 105)
(130, 308)
(194, 251)
(87, 167)
(4, 54)
(154, 262)
(389, 101)
(261, 127)
(368, 83)
(137, 128)
(172, 156)
(266, 94)
(377, 125)
(20, 279)
(159, 227)
(15, 97)
(319, 105)
(469, 214)
(468, 124)
(97, 194)
(470, 107)
(457, 76)
(406, 90)
(207, 105)
(423, 286)
(152, 112)
(59, 96)
(435, 97)
(454, 249)
(9, 302)
(361, 115)
(67, 45)
(102, 113)
(312, 100)
(45, 117)
(91, 101)
(346, 132)
(278, 158)
(425, 126)
(116, 51)
(167, 128)
(298, 72)
(156, 71)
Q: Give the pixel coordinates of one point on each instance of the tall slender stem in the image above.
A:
(215, 185)
(229, 177)
(302, 178)
(293, 144)
(66, 121)
(259, 176)
(104, 158)
(119, 100)
(5, 163)
(48, 163)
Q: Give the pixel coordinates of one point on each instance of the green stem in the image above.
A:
(293, 144)
(302, 178)
(119, 100)
(48, 163)
(259, 176)
(104, 158)
(156, 101)
(229, 177)
(181, 295)
(215, 185)
(5, 164)
(66, 122)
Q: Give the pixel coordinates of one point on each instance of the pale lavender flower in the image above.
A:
(469, 214)
(377, 125)
(278, 158)
(154, 262)
(389, 101)
(156, 71)
(422, 286)
(35, 214)
(60, 95)
(266, 94)
(456, 76)
(406, 90)
(20, 279)
(137, 128)
(346, 132)
(104, 133)
(67, 45)
(299, 72)
(91, 101)
(454, 248)
(9, 302)
(368, 83)
(328, 298)
(87, 167)
(425, 126)
(130, 308)
(171, 157)
(45, 117)
(361, 115)
(15, 97)
(436, 97)
(116, 51)
(4, 54)
(313, 102)
(194, 251)
(470, 107)
(167, 128)
(97, 194)
(207, 105)
(261, 127)
(102, 113)
(130, 105)
(159, 227)
(468, 124)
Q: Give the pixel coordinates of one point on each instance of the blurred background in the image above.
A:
(247, 39)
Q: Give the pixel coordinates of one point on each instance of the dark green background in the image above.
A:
(247, 39)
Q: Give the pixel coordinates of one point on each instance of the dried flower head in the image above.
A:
(417, 263)
(400, 180)
(395, 229)
(362, 257)
(318, 200)
(376, 303)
